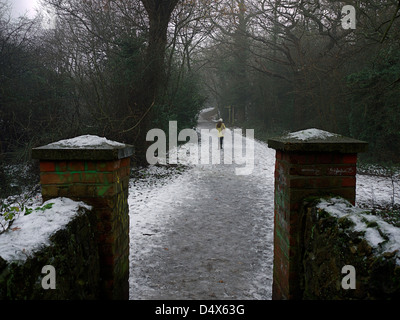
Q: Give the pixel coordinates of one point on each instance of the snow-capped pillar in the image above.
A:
(95, 170)
(308, 163)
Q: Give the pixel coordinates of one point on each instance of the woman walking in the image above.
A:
(221, 131)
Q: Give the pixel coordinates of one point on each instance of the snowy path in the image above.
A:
(208, 233)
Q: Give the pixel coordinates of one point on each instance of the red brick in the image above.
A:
(337, 158)
(350, 158)
(47, 166)
(108, 165)
(349, 182)
(76, 177)
(312, 170)
(49, 191)
(76, 166)
(106, 178)
(125, 162)
(345, 170)
(105, 191)
(323, 158)
(90, 166)
(89, 177)
(315, 182)
(277, 293)
(61, 166)
(82, 191)
(300, 158)
(50, 178)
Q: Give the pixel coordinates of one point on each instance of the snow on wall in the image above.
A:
(311, 134)
(85, 141)
(376, 230)
(31, 232)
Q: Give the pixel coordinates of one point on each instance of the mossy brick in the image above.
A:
(50, 178)
(106, 177)
(86, 177)
(100, 177)
(306, 168)
(50, 191)
(277, 292)
(105, 190)
(125, 183)
(90, 165)
(281, 276)
(61, 166)
(281, 230)
(282, 238)
(281, 258)
(108, 165)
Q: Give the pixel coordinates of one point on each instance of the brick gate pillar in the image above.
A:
(310, 162)
(96, 171)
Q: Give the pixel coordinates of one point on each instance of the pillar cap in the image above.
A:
(86, 147)
(315, 140)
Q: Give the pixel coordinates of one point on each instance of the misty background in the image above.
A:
(22, 7)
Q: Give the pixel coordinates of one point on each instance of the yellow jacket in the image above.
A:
(221, 130)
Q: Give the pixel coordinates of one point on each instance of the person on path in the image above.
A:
(221, 131)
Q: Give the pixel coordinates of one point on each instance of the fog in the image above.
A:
(22, 7)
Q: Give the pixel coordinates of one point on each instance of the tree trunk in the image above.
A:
(159, 14)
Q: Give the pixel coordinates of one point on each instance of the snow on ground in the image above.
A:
(202, 232)
(30, 233)
(205, 234)
(373, 191)
(208, 233)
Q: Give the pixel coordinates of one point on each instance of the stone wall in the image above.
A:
(332, 242)
(74, 255)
